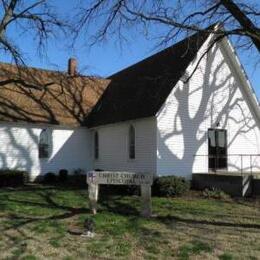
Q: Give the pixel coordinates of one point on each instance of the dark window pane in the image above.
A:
(212, 141)
(222, 149)
(217, 148)
(44, 144)
(131, 142)
(96, 146)
(43, 151)
(222, 139)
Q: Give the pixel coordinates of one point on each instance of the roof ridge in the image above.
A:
(166, 49)
(30, 67)
(48, 70)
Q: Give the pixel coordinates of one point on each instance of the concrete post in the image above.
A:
(93, 196)
(146, 201)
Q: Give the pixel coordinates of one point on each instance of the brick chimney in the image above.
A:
(72, 67)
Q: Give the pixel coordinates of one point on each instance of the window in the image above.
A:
(96, 145)
(131, 142)
(217, 149)
(44, 144)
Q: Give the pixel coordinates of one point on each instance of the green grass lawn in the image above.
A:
(38, 222)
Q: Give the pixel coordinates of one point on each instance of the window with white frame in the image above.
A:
(131, 142)
(45, 143)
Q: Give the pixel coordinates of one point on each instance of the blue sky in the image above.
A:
(106, 58)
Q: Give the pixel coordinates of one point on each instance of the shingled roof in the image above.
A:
(49, 97)
(140, 90)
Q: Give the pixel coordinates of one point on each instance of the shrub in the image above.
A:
(78, 178)
(12, 178)
(49, 178)
(63, 175)
(79, 172)
(168, 186)
(215, 193)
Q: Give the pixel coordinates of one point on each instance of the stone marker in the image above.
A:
(145, 180)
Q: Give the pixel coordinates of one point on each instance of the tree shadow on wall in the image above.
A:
(43, 98)
(54, 98)
(209, 100)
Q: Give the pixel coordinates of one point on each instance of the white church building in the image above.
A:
(187, 109)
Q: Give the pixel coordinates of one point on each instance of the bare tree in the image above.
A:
(117, 17)
(34, 95)
(37, 18)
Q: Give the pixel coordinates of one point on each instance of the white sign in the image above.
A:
(95, 178)
(119, 178)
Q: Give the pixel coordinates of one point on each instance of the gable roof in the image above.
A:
(140, 90)
(249, 90)
(49, 97)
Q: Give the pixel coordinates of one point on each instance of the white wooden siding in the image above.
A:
(19, 149)
(214, 94)
(113, 146)
(165, 144)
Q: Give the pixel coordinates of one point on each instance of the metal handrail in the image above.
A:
(230, 155)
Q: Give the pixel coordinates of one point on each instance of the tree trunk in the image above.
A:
(251, 30)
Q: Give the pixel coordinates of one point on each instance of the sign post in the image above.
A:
(146, 210)
(94, 178)
(93, 196)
